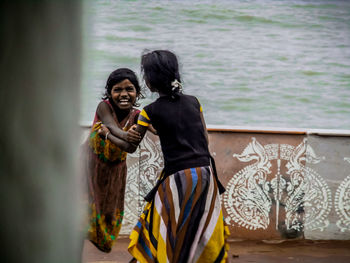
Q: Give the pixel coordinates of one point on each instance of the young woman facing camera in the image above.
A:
(106, 161)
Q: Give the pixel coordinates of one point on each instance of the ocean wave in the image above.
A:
(308, 6)
(126, 39)
(312, 73)
(249, 18)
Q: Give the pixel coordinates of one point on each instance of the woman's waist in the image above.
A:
(174, 166)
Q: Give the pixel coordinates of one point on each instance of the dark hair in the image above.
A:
(119, 75)
(160, 68)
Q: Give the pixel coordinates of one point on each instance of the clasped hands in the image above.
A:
(131, 136)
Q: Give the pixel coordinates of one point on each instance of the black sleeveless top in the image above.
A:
(181, 132)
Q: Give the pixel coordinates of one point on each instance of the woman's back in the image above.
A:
(182, 221)
(181, 132)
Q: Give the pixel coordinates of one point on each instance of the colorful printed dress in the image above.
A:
(107, 171)
(183, 220)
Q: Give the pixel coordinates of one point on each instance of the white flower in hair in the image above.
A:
(176, 85)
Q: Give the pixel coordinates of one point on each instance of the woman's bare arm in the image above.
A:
(124, 145)
(152, 129)
(105, 115)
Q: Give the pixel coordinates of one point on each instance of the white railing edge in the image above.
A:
(259, 129)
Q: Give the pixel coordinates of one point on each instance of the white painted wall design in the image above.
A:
(249, 195)
(342, 203)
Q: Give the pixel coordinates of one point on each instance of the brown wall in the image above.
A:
(253, 168)
(279, 185)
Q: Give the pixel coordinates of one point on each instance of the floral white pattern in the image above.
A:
(302, 192)
(342, 203)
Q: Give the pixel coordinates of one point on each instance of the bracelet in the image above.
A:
(106, 137)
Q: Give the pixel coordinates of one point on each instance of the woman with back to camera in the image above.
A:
(183, 220)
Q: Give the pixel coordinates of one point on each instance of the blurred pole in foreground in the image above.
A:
(40, 46)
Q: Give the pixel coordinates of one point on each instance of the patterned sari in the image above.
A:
(106, 176)
(184, 221)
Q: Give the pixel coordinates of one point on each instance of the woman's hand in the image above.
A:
(152, 129)
(103, 131)
(132, 135)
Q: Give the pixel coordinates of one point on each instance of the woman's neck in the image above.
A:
(162, 94)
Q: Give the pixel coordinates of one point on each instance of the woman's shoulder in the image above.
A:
(152, 104)
(104, 106)
(190, 98)
(135, 111)
(103, 103)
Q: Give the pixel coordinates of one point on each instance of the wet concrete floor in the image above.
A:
(246, 251)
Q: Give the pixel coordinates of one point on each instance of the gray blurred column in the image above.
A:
(39, 136)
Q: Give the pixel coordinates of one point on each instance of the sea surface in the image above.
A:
(251, 63)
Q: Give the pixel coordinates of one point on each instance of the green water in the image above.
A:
(251, 63)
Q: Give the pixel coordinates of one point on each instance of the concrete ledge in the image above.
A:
(278, 130)
(268, 130)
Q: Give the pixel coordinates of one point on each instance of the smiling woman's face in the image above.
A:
(124, 94)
